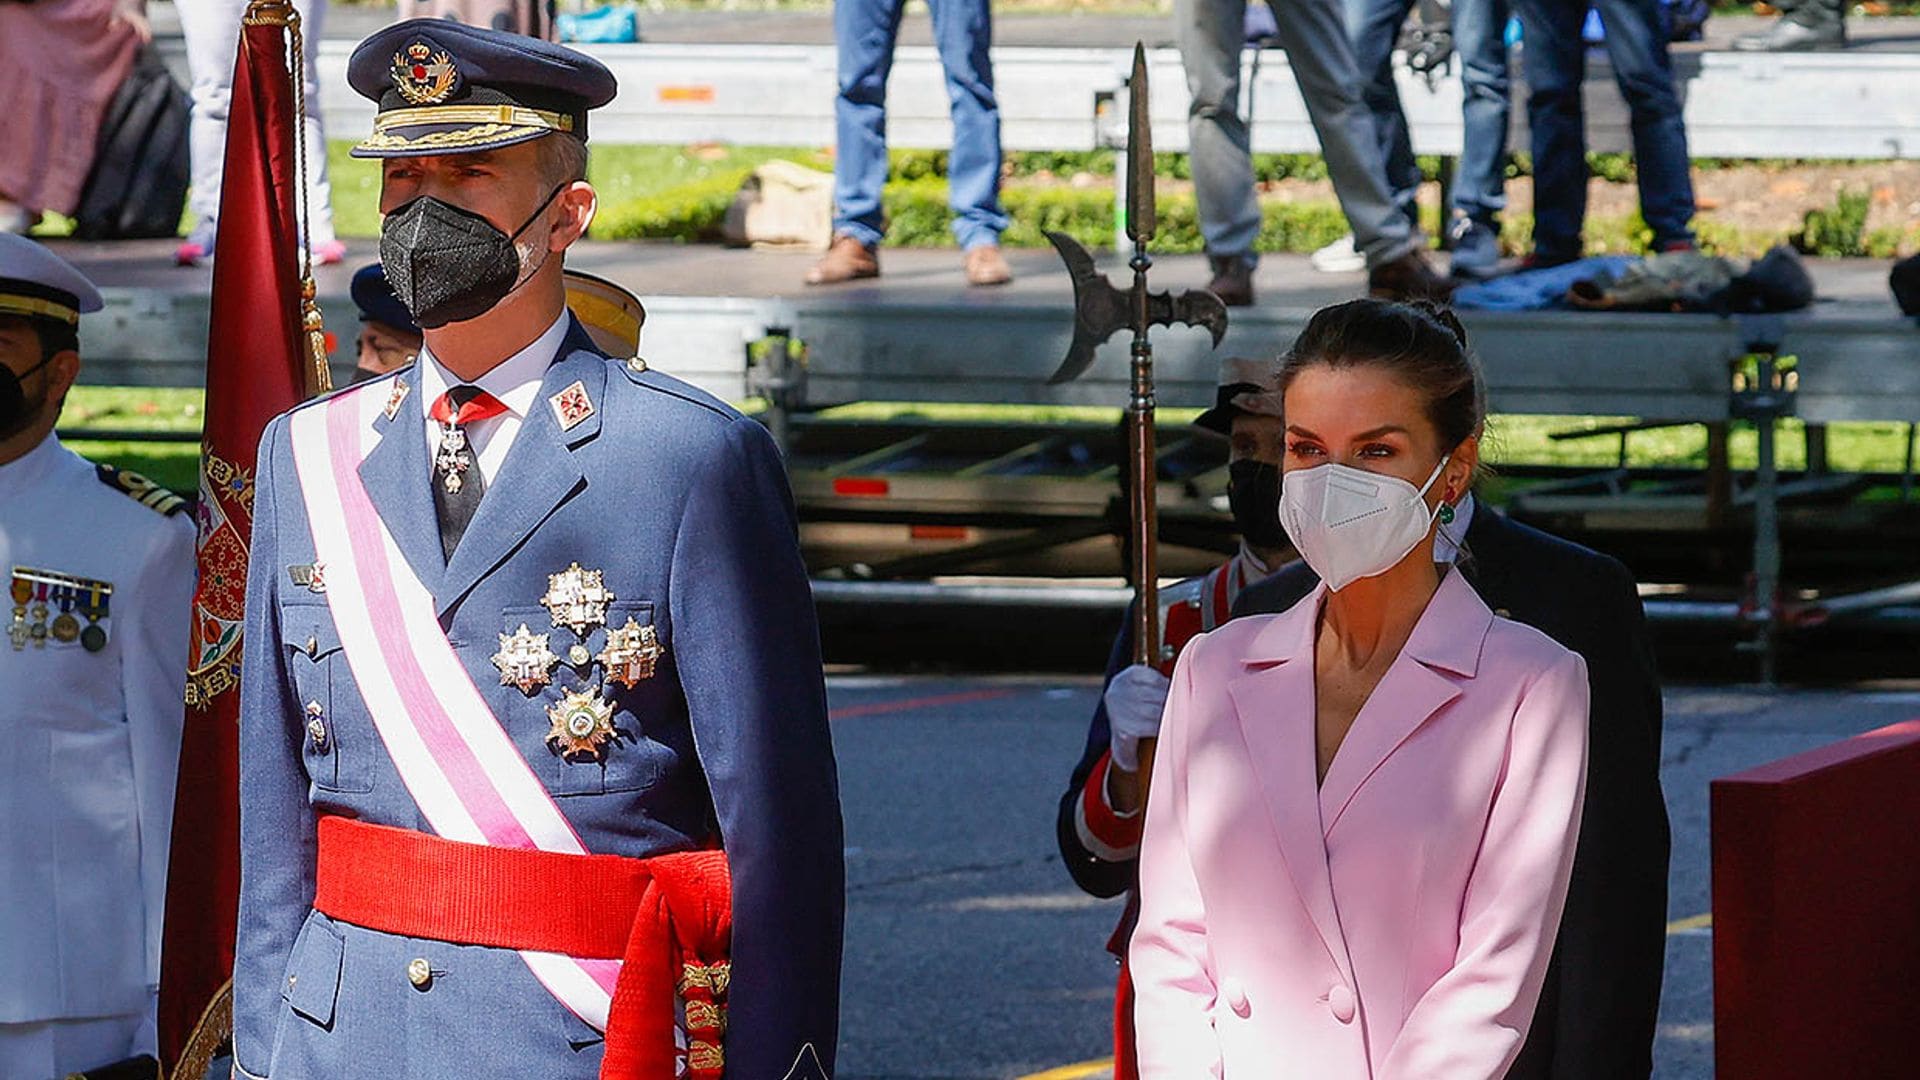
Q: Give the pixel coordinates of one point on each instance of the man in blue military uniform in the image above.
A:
(99, 570)
(536, 778)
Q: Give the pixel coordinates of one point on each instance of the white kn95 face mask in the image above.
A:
(1349, 523)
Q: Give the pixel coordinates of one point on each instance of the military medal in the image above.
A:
(394, 399)
(524, 659)
(64, 628)
(452, 458)
(38, 629)
(99, 594)
(582, 725)
(631, 653)
(317, 726)
(577, 598)
(21, 591)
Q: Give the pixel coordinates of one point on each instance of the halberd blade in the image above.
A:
(1098, 308)
(1141, 222)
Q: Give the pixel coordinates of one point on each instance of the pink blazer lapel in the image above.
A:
(1273, 703)
(1445, 645)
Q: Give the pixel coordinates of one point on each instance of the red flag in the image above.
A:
(257, 367)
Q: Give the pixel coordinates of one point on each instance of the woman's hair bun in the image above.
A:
(1443, 315)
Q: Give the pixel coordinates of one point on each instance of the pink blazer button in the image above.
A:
(1340, 1000)
(1236, 997)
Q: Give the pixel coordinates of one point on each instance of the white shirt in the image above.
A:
(1446, 548)
(515, 381)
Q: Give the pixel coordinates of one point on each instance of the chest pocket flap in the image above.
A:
(336, 733)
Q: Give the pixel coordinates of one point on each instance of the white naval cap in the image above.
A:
(36, 282)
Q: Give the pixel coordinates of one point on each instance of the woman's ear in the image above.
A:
(1458, 479)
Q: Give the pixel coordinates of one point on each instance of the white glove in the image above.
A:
(1135, 699)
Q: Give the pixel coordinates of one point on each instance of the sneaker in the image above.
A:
(1232, 279)
(1476, 250)
(197, 249)
(847, 260)
(986, 266)
(1339, 257)
(15, 218)
(329, 253)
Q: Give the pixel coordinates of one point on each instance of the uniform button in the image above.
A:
(1340, 1000)
(419, 973)
(313, 647)
(1236, 996)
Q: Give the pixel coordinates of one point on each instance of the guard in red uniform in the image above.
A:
(1101, 812)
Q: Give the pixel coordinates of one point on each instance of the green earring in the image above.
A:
(1446, 513)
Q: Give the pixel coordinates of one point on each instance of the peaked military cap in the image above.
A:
(36, 283)
(1246, 386)
(373, 295)
(447, 88)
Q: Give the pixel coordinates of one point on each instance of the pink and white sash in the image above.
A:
(461, 767)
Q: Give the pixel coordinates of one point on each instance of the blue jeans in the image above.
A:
(1555, 61)
(865, 31)
(1479, 27)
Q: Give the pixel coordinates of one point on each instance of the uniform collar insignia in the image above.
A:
(572, 405)
(394, 398)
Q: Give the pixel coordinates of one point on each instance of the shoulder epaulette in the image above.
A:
(141, 490)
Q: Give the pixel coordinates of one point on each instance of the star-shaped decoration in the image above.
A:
(582, 725)
(631, 653)
(577, 598)
(524, 659)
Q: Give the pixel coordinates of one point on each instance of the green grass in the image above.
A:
(620, 173)
(1511, 440)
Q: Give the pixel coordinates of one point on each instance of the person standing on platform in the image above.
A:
(1098, 826)
(865, 32)
(1211, 34)
(1803, 26)
(1479, 187)
(1555, 60)
(1598, 1007)
(99, 565)
(537, 767)
(212, 30)
(61, 62)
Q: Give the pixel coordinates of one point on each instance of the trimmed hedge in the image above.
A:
(690, 212)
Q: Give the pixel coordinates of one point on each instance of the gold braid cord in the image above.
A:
(281, 13)
(703, 990)
(214, 1028)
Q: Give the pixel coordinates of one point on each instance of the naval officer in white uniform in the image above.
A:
(98, 565)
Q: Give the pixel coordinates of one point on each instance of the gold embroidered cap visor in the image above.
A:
(446, 88)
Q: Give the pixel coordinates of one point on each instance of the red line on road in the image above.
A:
(875, 708)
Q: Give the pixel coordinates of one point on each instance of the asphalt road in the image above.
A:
(971, 955)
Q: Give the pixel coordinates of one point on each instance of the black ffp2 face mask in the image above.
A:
(1253, 494)
(450, 265)
(16, 413)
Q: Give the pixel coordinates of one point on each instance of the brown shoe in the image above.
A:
(847, 260)
(1409, 277)
(1232, 279)
(986, 266)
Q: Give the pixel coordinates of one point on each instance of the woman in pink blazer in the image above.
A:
(1364, 809)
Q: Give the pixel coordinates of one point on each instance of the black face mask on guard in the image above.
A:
(1253, 494)
(15, 413)
(447, 264)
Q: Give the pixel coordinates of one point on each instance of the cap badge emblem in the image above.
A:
(422, 76)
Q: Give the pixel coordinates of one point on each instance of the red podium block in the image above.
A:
(1816, 913)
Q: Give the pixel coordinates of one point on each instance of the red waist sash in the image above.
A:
(668, 919)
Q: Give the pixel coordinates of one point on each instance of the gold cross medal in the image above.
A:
(577, 598)
(524, 659)
(582, 725)
(632, 652)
